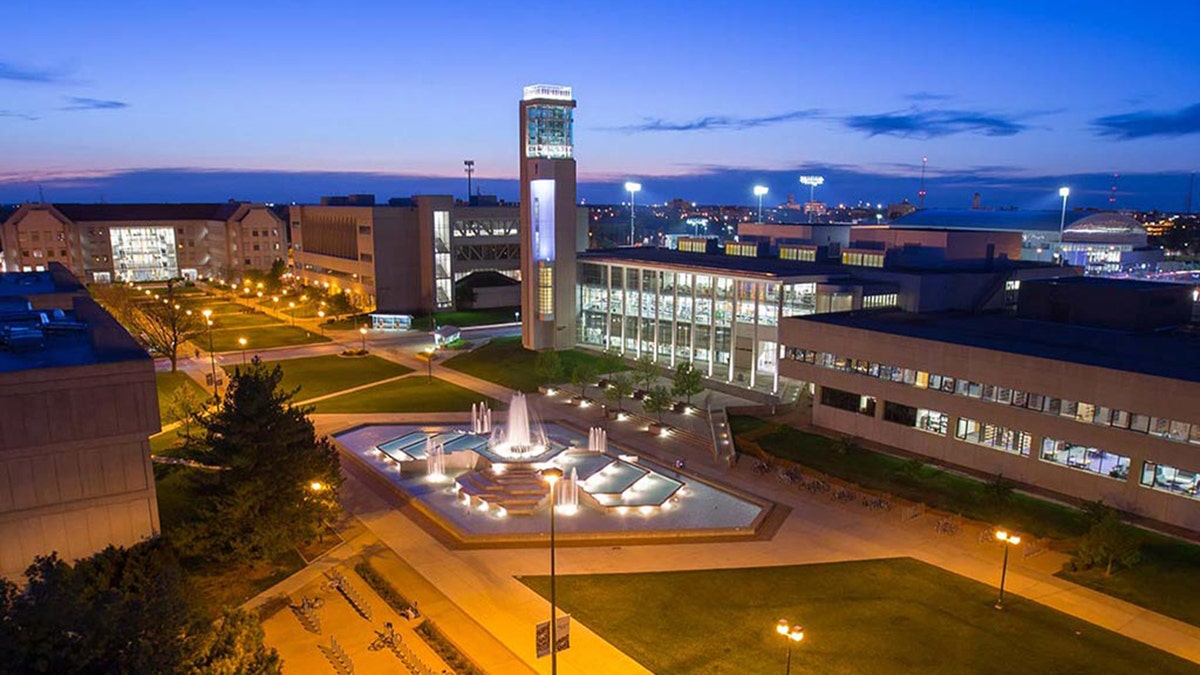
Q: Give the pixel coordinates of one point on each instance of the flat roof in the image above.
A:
(779, 268)
(715, 262)
(25, 284)
(1110, 282)
(985, 219)
(1171, 354)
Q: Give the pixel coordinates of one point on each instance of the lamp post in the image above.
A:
(632, 188)
(363, 332)
(292, 311)
(242, 342)
(1008, 540)
(212, 358)
(759, 191)
(793, 634)
(321, 321)
(812, 182)
(429, 365)
(1063, 192)
(552, 476)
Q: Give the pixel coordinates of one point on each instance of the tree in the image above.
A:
(464, 295)
(339, 304)
(280, 482)
(583, 375)
(657, 401)
(183, 406)
(123, 610)
(618, 390)
(645, 370)
(548, 366)
(687, 381)
(235, 647)
(611, 361)
(166, 324)
(1109, 542)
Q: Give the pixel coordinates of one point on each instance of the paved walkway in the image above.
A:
(483, 583)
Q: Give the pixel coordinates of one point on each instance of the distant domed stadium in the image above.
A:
(1106, 228)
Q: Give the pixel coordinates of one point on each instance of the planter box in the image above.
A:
(680, 407)
(659, 427)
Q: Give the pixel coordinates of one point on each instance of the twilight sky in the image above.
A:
(129, 100)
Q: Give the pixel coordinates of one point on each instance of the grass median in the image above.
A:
(321, 375)
(410, 394)
(504, 361)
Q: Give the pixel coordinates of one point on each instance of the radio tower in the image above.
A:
(1112, 193)
(921, 192)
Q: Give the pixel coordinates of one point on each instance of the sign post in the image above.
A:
(562, 628)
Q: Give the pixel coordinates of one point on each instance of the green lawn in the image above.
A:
(909, 480)
(170, 383)
(468, 317)
(411, 394)
(1167, 580)
(232, 321)
(504, 361)
(876, 616)
(320, 375)
(261, 338)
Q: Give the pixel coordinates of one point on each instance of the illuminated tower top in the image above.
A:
(549, 119)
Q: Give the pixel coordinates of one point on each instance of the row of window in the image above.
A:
(1064, 453)
(1080, 411)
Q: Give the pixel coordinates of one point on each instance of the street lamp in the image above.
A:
(632, 188)
(429, 365)
(552, 475)
(759, 191)
(1063, 192)
(1009, 540)
(363, 332)
(292, 307)
(812, 182)
(321, 321)
(793, 634)
(212, 358)
(242, 342)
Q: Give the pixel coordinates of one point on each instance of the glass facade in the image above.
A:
(443, 280)
(144, 253)
(549, 131)
(685, 316)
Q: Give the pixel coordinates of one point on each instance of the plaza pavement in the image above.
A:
(482, 583)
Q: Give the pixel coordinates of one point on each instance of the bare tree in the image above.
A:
(167, 323)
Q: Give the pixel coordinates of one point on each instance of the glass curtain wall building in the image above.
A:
(724, 322)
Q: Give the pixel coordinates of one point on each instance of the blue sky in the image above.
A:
(128, 100)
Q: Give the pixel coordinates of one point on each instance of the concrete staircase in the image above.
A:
(518, 489)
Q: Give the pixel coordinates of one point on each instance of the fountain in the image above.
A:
(435, 460)
(481, 418)
(568, 493)
(597, 440)
(518, 439)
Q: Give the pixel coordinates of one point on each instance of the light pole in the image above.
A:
(469, 165)
(793, 634)
(1008, 540)
(363, 332)
(1063, 192)
(759, 191)
(212, 358)
(429, 365)
(552, 476)
(632, 188)
(292, 311)
(321, 321)
(242, 342)
(812, 182)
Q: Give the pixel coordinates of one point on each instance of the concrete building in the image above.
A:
(102, 243)
(723, 311)
(1087, 391)
(77, 405)
(553, 227)
(406, 256)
